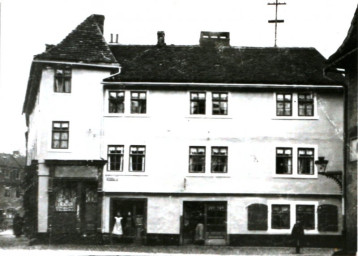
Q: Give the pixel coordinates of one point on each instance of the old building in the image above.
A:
(11, 190)
(172, 136)
(344, 60)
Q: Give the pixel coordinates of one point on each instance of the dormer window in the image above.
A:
(63, 80)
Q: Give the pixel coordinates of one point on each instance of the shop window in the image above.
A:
(197, 159)
(137, 159)
(62, 80)
(284, 104)
(305, 104)
(305, 214)
(280, 218)
(257, 217)
(91, 195)
(116, 102)
(197, 103)
(219, 103)
(219, 159)
(283, 160)
(60, 134)
(138, 102)
(328, 218)
(66, 199)
(115, 158)
(306, 161)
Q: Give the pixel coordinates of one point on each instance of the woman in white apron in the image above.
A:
(117, 230)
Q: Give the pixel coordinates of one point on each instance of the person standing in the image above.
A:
(17, 225)
(298, 234)
(117, 228)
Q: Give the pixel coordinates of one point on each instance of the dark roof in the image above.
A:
(349, 44)
(84, 44)
(225, 64)
(9, 160)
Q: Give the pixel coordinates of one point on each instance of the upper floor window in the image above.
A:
(197, 159)
(197, 103)
(7, 174)
(284, 104)
(219, 103)
(116, 102)
(60, 134)
(115, 158)
(18, 192)
(63, 80)
(136, 158)
(280, 218)
(7, 192)
(219, 159)
(305, 161)
(305, 104)
(283, 160)
(305, 214)
(138, 102)
(257, 217)
(17, 174)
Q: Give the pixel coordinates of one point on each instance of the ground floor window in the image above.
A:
(305, 214)
(280, 216)
(257, 217)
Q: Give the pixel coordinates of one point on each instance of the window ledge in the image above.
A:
(111, 174)
(127, 115)
(208, 117)
(296, 176)
(59, 151)
(208, 176)
(295, 118)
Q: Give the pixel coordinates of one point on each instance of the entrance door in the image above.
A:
(211, 215)
(133, 223)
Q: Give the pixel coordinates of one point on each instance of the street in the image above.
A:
(9, 244)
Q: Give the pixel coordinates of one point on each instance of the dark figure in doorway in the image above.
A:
(297, 235)
(128, 227)
(199, 237)
(17, 225)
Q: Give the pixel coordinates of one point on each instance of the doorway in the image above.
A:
(134, 213)
(211, 216)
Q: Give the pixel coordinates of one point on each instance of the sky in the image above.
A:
(27, 25)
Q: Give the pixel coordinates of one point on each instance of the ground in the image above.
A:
(11, 245)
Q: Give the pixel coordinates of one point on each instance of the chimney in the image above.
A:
(161, 38)
(49, 46)
(99, 20)
(208, 38)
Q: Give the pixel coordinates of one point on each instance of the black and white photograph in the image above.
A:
(178, 127)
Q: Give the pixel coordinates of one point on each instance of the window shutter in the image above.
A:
(327, 218)
(257, 217)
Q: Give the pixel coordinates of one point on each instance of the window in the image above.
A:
(60, 133)
(137, 158)
(280, 217)
(328, 218)
(17, 174)
(219, 159)
(283, 160)
(257, 217)
(197, 159)
(305, 214)
(63, 80)
(197, 103)
(7, 192)
(305, 104)
(115, 158)
(138, 102)
(7, 174)
(305, 161)
(219, 101)
(284, 104)
(18, 192)
(116, 102)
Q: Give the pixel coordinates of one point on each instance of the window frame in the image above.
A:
(226, 156)
(109, 155)
(63, 77)
(290, 172)
(59, 130)
(288, 227)
(284, 101)
(306, 213)
(306, 102)
(130, 169)
(305, 157)
(191, 156)
(220, 100)
(7, 192)
(139, 101)
(203, 102)
(115, 101)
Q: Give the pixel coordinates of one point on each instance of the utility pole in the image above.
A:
(276, 4)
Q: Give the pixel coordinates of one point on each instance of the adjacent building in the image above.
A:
(344, 60)
(172, 136)
(11, 189)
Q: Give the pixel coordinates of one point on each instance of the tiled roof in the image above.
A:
(221, 65)
(84, 44)
(9, 160)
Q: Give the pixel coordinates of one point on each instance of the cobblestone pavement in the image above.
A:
(12, 246)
